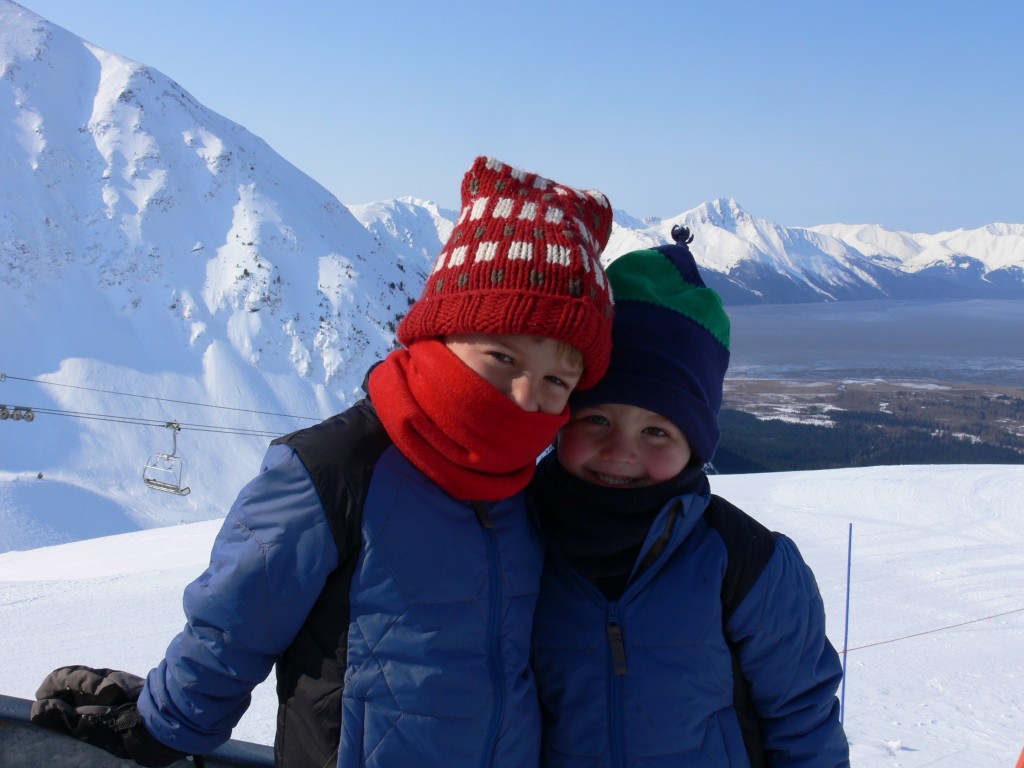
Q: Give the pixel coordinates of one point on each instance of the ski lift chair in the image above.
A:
(163, 470)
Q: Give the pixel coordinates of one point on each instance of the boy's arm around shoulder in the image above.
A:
(269, 562)
(793, 671)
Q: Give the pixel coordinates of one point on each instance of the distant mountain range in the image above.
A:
(750, 260)
(157, 261)
(754, 261)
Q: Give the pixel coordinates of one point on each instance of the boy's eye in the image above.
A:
(595, 418)
(556, 381)
(656, 432)
(501, 357)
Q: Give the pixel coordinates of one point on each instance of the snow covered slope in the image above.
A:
(931, 680)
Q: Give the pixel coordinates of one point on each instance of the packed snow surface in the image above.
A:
(936, 607)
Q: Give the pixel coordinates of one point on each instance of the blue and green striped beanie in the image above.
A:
(670, 342)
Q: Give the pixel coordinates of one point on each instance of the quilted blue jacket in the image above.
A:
(408, 646)
(647, 679)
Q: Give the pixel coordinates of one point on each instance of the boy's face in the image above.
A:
(531, 370)
(622, 446)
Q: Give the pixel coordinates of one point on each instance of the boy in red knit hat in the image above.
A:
(383, 560)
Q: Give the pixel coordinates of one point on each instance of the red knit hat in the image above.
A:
(522, 259)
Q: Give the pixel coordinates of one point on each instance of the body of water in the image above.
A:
(978, 342)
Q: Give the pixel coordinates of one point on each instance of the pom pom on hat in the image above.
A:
(522, 259)
(670, 342)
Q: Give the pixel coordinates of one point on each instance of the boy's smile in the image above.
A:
(622, 446)
(531, 370)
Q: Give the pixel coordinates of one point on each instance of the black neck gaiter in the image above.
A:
(599, 530)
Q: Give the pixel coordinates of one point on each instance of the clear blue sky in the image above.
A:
(894, 112)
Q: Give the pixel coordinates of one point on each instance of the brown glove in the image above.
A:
(98, 707)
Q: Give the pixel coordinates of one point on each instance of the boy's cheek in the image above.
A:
(573, 448)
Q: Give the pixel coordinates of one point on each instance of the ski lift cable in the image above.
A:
(100, 417)
(5, 376)
(155, 422)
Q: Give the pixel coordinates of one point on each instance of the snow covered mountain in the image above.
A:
(751, 260)
(159, 264)
(118, 184)
(162, 264)
(416, 228)
(754, 261)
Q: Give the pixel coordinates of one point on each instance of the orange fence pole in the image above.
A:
(1020, 760)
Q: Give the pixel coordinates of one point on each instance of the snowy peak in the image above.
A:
(749, 259)
(160, 263)
(415, 229)
(627, 220)
(997, 246)
(119, 179)
(723, 213)
(753, 260)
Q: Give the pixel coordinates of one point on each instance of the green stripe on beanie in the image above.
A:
(649, 276)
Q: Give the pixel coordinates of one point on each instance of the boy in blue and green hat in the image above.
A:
(672, 629)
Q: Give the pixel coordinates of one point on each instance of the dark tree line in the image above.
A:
(857, 439)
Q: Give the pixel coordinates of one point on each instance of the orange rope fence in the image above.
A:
(933, 631)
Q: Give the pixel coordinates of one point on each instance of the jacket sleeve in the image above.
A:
(792, 668)
(269, 562)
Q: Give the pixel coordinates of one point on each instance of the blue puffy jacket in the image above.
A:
(427, 614)
(647, 679)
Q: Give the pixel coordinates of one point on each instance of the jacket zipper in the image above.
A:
(493, 632)
(617, 671)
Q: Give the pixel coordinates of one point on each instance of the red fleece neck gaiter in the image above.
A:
(458, 429)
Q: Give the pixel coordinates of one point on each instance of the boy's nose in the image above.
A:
(617, 448)
(524, 394)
